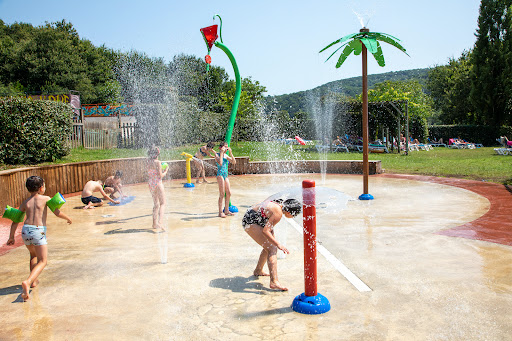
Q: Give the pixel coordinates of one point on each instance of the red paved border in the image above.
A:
(495, 226)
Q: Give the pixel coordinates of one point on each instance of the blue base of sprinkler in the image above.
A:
(311, 305)
(232, 209)
(189, 185)
(366, 197)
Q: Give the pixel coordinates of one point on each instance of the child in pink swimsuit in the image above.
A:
(156, 187)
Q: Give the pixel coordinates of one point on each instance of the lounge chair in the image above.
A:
(340, 148)
(378, 148)
(503, 151)
(438, 143)
(322, 148)
(454, 145)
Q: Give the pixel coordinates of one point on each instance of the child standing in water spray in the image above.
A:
(34, 231)
(156, 187)
(203, 152)
(259, 222)
(223, 158)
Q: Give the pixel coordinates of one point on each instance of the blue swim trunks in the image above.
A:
(34, 235)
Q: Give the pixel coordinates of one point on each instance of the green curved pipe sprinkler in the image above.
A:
(210, 36)
(360, 43)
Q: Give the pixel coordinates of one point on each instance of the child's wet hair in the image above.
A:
(210, 144)
(118, 174)
(34, 183)
(292, 206)
(153, 152)
(222, 144)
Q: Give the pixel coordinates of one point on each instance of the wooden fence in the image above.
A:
(77, 136)
(103, 138)
(71, 177)
(127, 135)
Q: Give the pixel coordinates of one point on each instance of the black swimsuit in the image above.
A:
(254, 217)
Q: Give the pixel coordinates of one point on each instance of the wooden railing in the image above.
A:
(71, 177)
(67, 178)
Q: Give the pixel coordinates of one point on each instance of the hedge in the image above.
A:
(33, 131)
(485, 135)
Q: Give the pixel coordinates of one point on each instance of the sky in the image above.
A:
(276, 43)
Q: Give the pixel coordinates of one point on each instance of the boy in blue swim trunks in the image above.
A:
(34, 231)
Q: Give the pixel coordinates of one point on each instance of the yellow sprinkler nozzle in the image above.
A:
(187, 170)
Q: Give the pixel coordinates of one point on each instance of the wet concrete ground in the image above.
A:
(105, 279)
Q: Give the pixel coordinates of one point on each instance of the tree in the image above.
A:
(251, 98)
(419, 104)
(449, 86)
(491, 91)
(190, 76)
(53, 59)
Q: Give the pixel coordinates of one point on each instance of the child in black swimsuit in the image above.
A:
(259, 222)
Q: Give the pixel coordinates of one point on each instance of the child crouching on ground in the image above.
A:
(113, 184)
(34, 231)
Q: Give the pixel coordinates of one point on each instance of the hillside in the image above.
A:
(298, 101)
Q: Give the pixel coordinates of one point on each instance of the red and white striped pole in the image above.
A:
(310, 302)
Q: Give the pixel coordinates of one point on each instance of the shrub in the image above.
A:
(33, 131)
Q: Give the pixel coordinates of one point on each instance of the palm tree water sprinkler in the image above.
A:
(210, 36)
(361, 43)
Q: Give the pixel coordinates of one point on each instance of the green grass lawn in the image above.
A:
(478, 164)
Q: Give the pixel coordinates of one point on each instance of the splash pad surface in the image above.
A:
(106, 277)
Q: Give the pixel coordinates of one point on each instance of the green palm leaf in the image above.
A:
(332, 54)
(384, 34)
(378, 55)
(341, 40)
(358, 48)
(354, 45)
(371, 44)
(370, 40)
(389, 39)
